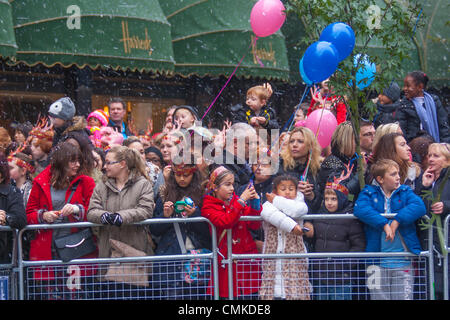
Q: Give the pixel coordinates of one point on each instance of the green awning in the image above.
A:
(211, 36)
(8, 44)
(109, 34)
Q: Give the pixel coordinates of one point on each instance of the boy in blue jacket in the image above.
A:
(387, 195)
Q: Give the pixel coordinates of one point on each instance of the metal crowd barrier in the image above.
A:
(118, 278)
(161, 273)
(353, 275)
(8, 271)
(445, 260)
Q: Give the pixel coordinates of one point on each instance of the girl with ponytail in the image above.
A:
(122, 198)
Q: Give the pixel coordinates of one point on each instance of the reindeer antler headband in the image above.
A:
(335, 185)
(42, 130)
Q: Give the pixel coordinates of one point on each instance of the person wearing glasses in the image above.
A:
(122, 198)
(366, 135)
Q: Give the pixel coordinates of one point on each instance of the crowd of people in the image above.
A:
(69, 169)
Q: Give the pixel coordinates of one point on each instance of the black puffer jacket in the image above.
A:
(244, 114)
(385, 114)
(11, 201)
(337, 235)
(409, 120)
(333, 165)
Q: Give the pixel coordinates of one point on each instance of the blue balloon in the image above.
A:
(302, 73)
(365, 72)
(341, 35)
(320, 61)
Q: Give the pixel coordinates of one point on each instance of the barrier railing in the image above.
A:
(303, 273)
(118, 278)
(445, 258)
(351, 277)
(8, 274)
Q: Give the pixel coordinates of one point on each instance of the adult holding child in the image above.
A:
(302, 152)
(258, 113)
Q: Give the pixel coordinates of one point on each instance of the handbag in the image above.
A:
(75, 245)
(127, 272)
(195, 271)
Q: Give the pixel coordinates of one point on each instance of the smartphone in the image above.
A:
(305, 229)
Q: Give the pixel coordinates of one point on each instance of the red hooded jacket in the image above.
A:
(40, 198)
(223, 217)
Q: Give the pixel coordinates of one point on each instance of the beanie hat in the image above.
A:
(155, 151)
(62, 109)
(189, 108)
(100, 115)
(392, 92)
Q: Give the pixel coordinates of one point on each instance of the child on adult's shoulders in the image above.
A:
(257, 113)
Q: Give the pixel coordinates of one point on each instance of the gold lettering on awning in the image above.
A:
(134, 42)
(263, 54)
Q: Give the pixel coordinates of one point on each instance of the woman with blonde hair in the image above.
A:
(122, 198)
(342, 158)
(432, 179)
(302, 152)
(385, 129)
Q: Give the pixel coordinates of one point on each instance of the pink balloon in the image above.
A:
(300, 123)
(267, 17)
(328, 124)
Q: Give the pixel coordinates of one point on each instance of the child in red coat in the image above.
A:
(224, 208)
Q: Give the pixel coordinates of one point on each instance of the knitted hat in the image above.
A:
(392, 92)
(100, 115)
(62, 109)
(189, 108)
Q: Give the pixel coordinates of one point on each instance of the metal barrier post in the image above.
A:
(230, 264)
(12, 283)
(445, 270)
(20, 266)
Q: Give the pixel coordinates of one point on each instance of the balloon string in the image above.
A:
(305, 173)
(228, 81)
(255, 51)
(291, 122)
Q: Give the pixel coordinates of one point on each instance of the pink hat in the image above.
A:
(100, 115)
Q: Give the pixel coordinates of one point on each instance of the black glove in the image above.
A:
(113, 219)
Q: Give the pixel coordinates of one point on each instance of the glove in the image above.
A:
(255, 204)
(113, 219)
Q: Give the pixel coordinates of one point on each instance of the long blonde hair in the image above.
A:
(343, 139)
(312, 145)
(133, 160)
